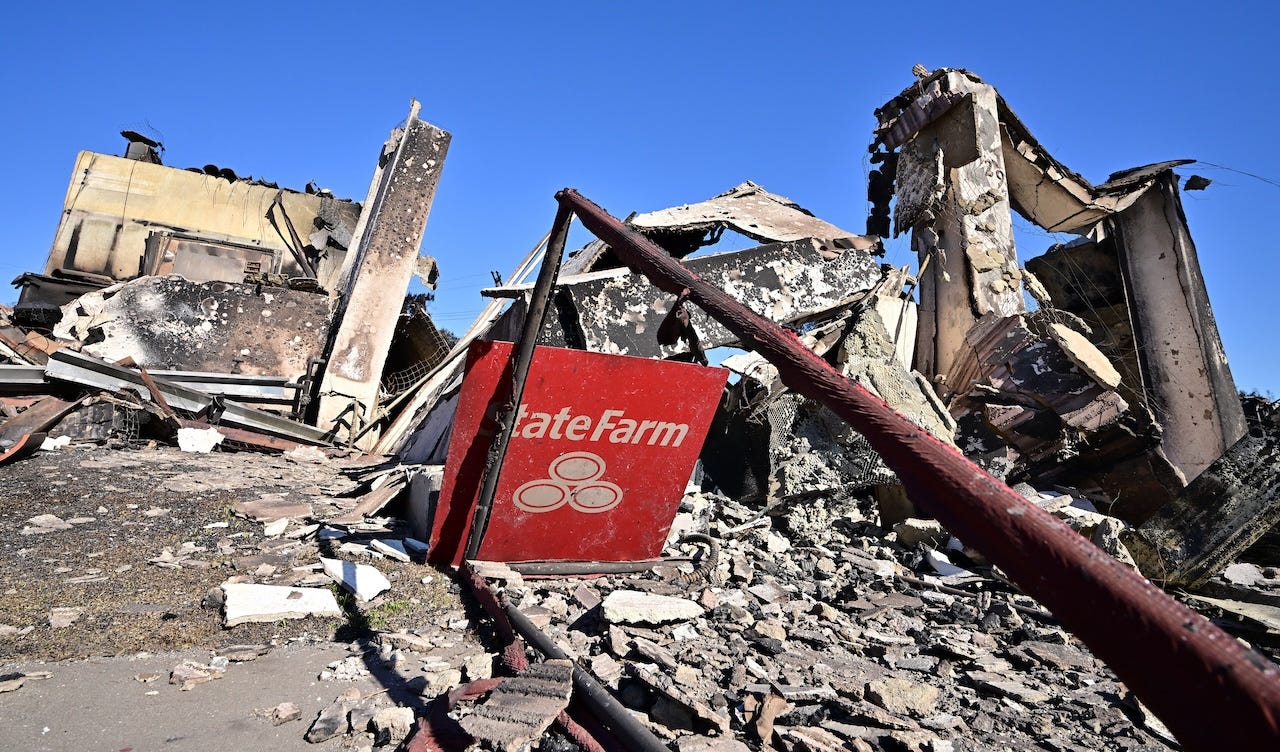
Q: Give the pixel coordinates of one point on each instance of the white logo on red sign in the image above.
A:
(575, 480)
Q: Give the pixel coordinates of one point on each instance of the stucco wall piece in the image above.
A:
(168, 323)
(386, 259)
(1185, 373)
(619, 313)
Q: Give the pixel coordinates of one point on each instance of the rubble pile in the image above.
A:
(847, 639)
(880, 465)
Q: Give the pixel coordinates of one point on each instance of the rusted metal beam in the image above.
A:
(253, 439)
(1211, 691)
(37, 418)
(26, 445)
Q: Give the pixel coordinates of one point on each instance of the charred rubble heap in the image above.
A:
(807, 598)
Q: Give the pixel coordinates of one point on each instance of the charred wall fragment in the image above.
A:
(1083, 390)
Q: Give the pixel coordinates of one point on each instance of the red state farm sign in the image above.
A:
(602, 449)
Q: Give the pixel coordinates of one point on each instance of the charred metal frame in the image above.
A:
(1176, 661)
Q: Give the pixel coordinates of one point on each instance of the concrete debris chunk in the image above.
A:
(1061, 657)
(306, 454)
(333, 720)
(275, 528)
(1243, 574)
(45, 523)
(696, 743)
(284, 713)
(54, 444)
(391, 725)
(271, 508)
(362, 579)
(902, 696)
(12, 682)
(199, 441)
(243, 653)
(63, 617)
(246, 603)
(1004, 686)
(912, 531)
(394, 549)
(189, 674)
(521, 708)
(635, 607)
(815, 739)
(676, 707)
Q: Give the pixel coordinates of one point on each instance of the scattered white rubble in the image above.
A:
(365, 581)
(635, 607)
(63, 617)
(45, 523)
(199, 440)
(51, 444)
(247, 602)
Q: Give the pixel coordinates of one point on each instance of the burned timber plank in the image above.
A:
(619, 313)
(1220, 514)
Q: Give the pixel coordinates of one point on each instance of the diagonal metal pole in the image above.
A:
(1211, 691)
(521, 358)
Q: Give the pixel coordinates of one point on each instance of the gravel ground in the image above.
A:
(126, 508)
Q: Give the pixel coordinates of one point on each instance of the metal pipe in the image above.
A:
(1207, 688)
(576, 568)
(608, 710)
(521, 358)
(512, 625)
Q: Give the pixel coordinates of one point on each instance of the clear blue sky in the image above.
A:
(642, 106)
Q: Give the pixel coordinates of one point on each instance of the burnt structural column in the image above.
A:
(953, 194)
(1185, 375)
(385, 258)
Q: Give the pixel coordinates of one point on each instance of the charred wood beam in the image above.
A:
(1126, 621)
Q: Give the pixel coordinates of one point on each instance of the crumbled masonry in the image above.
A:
(281, 412)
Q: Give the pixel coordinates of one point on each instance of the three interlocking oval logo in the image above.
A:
(575, 480)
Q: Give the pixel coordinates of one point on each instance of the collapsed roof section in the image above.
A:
(747, 209)
(1041, 188)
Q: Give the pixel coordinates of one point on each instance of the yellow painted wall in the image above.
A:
(112, 204)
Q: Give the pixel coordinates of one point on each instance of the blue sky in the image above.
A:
(642, 106)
